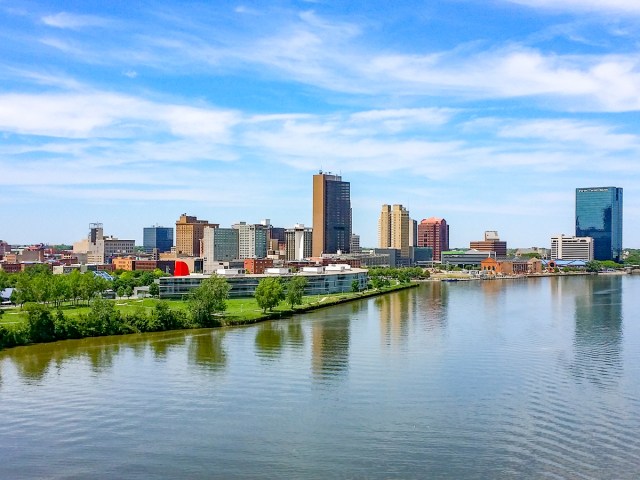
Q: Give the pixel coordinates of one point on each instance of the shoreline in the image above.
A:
(299, 309)
(233, 320)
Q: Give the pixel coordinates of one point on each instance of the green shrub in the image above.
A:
(40, 323)
(13, 335)
(67, 327)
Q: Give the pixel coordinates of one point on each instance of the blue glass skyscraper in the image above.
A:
(599, 216)
(157, 237)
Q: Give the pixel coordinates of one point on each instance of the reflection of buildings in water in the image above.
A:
(207, 352)
(434, 304)
(598, 330)
(394, 310)
(492, 293)
(330, 347)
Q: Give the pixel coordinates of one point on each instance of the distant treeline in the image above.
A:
(38, 284)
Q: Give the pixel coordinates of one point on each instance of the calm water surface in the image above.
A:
(535, 378)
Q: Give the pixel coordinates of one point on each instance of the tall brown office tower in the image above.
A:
(189, 234)
(331, 214)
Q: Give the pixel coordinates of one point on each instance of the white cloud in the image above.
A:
(335, 56)
(74, 21)
(614, 6)
(81, 115)
(567, 133)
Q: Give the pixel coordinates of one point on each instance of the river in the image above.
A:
(527, 378)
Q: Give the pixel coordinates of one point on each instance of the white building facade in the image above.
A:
(571, 248)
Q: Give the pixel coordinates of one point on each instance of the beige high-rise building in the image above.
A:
(384, 227)
(393, 228)
(189, 234)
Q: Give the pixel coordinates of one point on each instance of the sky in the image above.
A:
(488, 113)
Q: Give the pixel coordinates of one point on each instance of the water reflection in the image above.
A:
(434, 305)
(272, 337)
(330, 347)
(395, 310)
(207, 352)
(598, 331)
(161, 344)
(34, 362)
(269, 340)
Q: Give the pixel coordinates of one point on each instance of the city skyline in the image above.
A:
(486, 114)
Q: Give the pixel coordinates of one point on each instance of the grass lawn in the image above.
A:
(239, 310)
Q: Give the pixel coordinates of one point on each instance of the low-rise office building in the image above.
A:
(465, 258)
(331, 280)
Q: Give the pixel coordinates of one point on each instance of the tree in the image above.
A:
(104, 319)
(295, 290)
(593, 266)
(209, 298)
(73, 285)
(146, 279)
(154, 290)
(4, 280)
(355, 286)
(269, 293)
(41, 324)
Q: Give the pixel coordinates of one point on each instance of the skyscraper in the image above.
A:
(331, 214)
(189, 233)
(393, 229)
(434, 232)
(599, 216)
(252, 240)
(157, 237)
(299, 240)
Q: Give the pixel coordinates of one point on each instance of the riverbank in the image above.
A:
(120, 317)
(321, 302)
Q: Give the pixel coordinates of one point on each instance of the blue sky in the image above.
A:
(488, 113)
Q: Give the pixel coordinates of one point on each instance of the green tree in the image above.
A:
(355, 286)
(146, 279)
(154, 290)
(104, 319)
(593, 266)
(4, 280)
(295, 290)
(269, 293)
(208, 299)
(24, 291)
(73, 285)
(41, 324)
(87, 286)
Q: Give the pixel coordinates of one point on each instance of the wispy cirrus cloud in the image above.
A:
(612, 6)
(340, 57)
(96, 114)
(73, 21)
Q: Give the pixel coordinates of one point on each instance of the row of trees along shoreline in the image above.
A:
(42, 295)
